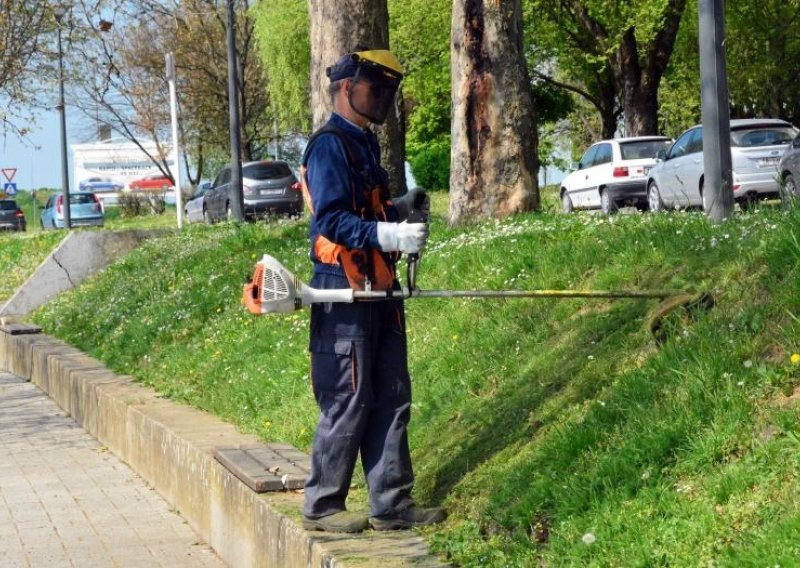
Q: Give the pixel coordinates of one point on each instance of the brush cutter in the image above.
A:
(274, 289)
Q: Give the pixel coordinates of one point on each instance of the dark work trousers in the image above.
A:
(359, 372)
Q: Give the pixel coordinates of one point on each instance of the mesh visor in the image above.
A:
(373, 91)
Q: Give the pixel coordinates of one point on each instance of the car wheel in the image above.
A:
(566, 203)
(789, 190)
(654, 198)
(607, 204)
(747, 204)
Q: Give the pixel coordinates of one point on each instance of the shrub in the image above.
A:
(431, 167)
(139, 204)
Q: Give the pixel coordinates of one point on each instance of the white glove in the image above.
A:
(403, 237)
(405, 202)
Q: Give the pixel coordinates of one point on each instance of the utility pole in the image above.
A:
(718, 174)
(60, 13)
(173, 108)
(236, 210)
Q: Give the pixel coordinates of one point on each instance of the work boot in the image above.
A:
(341, 522)
(408, 518)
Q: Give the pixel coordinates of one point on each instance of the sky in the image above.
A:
(38, 160)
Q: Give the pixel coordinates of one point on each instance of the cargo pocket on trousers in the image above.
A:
(334, 369)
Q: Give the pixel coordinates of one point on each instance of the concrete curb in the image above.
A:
(170, 446)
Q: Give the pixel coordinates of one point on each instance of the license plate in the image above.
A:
(768, 162)
(270, 192)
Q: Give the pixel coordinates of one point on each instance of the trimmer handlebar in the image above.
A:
(417, 214)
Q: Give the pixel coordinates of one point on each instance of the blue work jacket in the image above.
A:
(337, 191)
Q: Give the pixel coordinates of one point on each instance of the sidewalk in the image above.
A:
(67, 501)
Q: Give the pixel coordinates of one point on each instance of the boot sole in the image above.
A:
(312, 525)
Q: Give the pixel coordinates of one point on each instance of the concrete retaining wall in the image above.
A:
(170, 445)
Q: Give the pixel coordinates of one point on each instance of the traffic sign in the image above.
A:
(10, 188)
(9, 173)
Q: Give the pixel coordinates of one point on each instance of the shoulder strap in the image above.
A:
(350, 148)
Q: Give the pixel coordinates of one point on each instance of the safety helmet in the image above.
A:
(379, 72)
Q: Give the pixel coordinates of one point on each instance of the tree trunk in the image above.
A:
(337, 26)
(639, 79)
(493, 160)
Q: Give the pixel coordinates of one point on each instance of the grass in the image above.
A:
(556, 432)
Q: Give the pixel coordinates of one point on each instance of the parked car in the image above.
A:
(789, 170)
(98, 184)
(152, 182)
(268, 187)
(12, 218)
(195, 211)
(756, 147)
(85, 209)
(612, 173)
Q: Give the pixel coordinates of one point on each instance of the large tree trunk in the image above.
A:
(638, 69)
(493, 161)
(337, 26)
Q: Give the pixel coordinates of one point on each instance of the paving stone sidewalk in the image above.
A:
(66, 501)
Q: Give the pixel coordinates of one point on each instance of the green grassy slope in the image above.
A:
(555, 431)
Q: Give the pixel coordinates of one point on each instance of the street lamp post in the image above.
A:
(60, 12)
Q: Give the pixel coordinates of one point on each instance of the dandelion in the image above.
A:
(795, 358)
(589, 538)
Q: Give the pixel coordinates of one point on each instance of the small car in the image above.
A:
(612, 173)
(195, 211)
(12, 218)
(152, 182)
(789, 171)
(757, 145)
(267, 186)
(98, 184)
(85, 210)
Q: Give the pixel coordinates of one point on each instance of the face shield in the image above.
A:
(373, 91)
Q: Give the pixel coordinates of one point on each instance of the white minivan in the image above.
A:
(612, 173)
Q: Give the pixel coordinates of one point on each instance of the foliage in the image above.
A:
(760, 39)
(132, 204)
(282, 32)
(25, 32)
(420, 35)
(566, 436)
(431, 167)
(119, 78)
(21, 253)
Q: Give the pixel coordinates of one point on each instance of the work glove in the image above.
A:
(404, 237)
(405, 203)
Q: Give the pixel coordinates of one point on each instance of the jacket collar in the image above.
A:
(339, 121)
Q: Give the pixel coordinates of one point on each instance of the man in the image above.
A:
(359, 367)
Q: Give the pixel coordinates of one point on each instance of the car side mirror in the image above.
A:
(661, 155)
(580, 165)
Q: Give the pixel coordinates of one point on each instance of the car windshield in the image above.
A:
(267, 170)
(762, 136)
(642, 149)
(8, 205)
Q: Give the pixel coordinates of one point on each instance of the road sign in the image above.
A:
(10, 188)
(9, 173)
